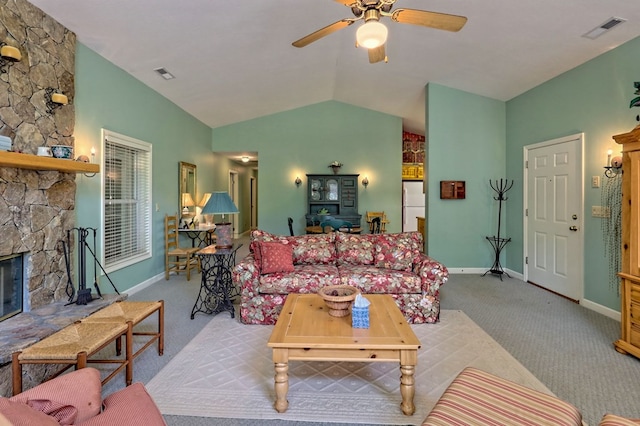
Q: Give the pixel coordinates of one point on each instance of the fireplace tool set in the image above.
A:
(84, 294)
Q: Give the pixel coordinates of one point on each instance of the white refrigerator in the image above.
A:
(412, 205)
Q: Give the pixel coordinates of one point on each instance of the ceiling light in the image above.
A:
(245, 159)
(164, 73)
(371, 34)
(604, 27)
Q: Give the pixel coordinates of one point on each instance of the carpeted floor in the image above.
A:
(229, 362)
(568, 347)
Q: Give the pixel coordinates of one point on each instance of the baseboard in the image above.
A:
(607, 312)
(144, 284)
(481, 271)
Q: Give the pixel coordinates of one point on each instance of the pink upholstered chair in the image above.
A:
(75, 399)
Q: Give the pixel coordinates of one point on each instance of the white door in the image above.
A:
(553, 220)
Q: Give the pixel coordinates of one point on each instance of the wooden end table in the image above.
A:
(306, 332)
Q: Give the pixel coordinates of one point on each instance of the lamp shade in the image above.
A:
(219, 203)
(187, 200)
(204, 200)
(371, 34)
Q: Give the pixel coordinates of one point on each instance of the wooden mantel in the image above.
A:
(35, 162)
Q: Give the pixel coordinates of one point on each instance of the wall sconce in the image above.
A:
(298, 181)
(8, 55)
(84, 159)
(54, 100)
(365, 181)
(614, 165)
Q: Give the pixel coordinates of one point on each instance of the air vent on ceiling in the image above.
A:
(604, 27)
(164, 73)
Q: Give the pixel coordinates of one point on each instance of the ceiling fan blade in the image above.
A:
(322, 32)
(377, 54)
(440, 21)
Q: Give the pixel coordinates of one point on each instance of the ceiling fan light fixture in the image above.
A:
(371, 34)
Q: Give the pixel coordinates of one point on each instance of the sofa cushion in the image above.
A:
(304, 279)
(80, 389)
(21, 414)
(353, 249)
(397, 251)
(129, 406)
(307, 249)
(370, 279)
(613, 420)
(479, 398)
(274, 257)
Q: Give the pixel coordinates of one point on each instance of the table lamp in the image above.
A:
(187, 201)
(221, 203)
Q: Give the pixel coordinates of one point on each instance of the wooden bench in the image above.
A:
(75, 344)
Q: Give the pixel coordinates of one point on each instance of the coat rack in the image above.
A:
(500, 187)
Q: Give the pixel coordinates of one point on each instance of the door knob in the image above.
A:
(573, 228)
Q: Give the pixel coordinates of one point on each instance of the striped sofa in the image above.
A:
(478, 398)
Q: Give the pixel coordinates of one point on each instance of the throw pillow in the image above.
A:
(275, 257)
(20, 414)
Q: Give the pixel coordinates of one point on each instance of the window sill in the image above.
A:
(34, 162)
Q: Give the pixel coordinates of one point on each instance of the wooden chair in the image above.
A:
(383, 221)
(177, 259)
(290, 222)
(375, 225)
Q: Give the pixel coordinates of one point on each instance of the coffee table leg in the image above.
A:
(282, 387)
(408, 360)
(281, 364)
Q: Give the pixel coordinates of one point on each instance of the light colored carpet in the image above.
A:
(226, 371)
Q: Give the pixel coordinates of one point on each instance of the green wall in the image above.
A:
(592, 98)
(108, 97)
(465, 141)
(306, 140)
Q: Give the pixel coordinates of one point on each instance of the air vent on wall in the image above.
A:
(604, 27)
(164, 73)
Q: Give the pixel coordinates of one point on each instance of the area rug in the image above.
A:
(226, 371)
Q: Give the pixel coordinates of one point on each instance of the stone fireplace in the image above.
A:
(36, 207)
(12, 285)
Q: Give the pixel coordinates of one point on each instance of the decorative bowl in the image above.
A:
(338, 298)
(62, 151)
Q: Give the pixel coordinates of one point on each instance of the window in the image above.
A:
(126, 194)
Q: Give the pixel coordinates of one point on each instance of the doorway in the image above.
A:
(553, 223)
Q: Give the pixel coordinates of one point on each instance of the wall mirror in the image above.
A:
(187, 196)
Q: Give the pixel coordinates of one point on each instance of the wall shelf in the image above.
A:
(35, 162)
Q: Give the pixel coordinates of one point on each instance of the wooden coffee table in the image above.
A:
(306, 332)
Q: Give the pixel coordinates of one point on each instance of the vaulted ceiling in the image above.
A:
(233, 60)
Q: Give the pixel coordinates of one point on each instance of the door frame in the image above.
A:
(234, 193)
(525, 202)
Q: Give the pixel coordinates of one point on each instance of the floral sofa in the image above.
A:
(374, 263)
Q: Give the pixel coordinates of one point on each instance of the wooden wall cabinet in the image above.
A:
(338, 194)
(629, 342)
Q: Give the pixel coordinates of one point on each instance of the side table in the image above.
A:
(216, 286)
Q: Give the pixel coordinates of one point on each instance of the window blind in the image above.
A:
(126, 200)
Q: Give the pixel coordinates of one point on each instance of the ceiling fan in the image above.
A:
(373, 34)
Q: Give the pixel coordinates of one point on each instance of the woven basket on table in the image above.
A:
(338, 305)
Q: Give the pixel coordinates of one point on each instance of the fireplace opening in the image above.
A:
(11, 285)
